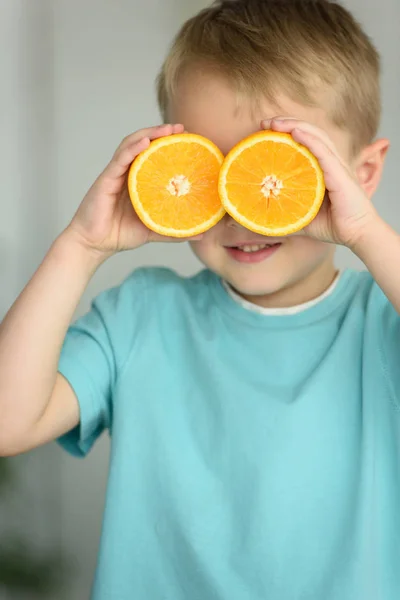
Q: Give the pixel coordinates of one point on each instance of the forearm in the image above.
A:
(379, 249)
(32, 334)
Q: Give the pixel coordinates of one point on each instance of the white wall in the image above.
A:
(26, 228)
(80, 77)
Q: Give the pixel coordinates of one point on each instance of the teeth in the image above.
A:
(254, 248)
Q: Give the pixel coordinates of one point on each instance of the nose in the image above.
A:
(230, 222)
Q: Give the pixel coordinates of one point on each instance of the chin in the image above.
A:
(256, 284)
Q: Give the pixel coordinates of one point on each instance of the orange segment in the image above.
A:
(173, 185)
(271, 184)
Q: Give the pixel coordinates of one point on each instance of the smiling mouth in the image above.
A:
(250, 248)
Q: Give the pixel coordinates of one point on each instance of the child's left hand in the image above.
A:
(346, 211)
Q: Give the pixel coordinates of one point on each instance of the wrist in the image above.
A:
(373, 236)
(69, 245)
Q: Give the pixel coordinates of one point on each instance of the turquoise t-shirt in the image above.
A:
(253, 457)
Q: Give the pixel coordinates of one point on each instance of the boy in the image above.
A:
(254, 408)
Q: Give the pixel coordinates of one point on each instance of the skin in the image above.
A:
(303, 267)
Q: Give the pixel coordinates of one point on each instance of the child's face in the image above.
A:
(299, 267)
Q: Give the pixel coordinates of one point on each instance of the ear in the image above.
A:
(369, 165)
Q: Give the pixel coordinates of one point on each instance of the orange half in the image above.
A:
(173, 185)
(271, 184)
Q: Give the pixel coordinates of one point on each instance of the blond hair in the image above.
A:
(313, 51)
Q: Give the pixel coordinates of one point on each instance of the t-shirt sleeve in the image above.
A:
(93, 354)
(389, 325)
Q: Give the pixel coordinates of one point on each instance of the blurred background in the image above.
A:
(76, 77)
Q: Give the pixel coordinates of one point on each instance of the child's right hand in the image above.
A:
(106, 222)
(42, 406)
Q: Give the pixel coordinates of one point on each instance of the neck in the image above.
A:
(300, 291)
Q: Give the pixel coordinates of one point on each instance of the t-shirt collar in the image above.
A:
(291, 310)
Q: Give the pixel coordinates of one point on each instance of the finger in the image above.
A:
(122, 159)
(288, 124)
(133, 145)
(151, 132)
(128, 149)
(335, 173)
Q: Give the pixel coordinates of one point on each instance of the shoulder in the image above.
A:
(380, 317)
(364, 302)
(147, 286)
(161, 282)
(149, 299)
(369, 291)
(365, 291)
(381, 334)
